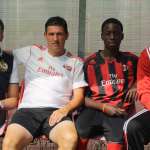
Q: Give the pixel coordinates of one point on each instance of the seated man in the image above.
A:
(8, 80)
(137, 128)
(110, 74)
(54, 87)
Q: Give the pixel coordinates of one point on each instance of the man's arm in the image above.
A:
(77, 100)
(104, 107)
(12, 97)
(143, 78)
(131, 96)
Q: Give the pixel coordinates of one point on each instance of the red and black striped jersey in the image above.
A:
(143, 77)
(109, 80)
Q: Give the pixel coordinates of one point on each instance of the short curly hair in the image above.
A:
(111, 20)
(56, 21)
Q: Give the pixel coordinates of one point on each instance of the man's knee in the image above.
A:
(16, 137)
(65, 135)
(67, 141)
(10, 144)
(70, 139)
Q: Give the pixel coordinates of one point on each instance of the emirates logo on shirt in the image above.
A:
(67, 67)
(49, 71)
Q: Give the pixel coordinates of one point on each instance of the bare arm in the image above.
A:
(77, 100)
(143, 78)
(105, 107)
(12, 97)
(132, 95)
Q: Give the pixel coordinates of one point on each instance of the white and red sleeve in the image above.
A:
(143, 78)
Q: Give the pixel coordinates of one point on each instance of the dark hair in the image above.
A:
(112, 20)
(56, 21)
(1, 25)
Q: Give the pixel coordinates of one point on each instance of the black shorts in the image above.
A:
(35, 120)
(92, 122)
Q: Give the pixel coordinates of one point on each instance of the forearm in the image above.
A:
(104, 107)
(72, 105)
(76, 101)
(9, 103)
(94, 104)
(12, 97)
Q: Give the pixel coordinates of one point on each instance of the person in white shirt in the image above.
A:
(54, 88)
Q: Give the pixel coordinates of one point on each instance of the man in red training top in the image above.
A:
(111, 74)
(137, 128)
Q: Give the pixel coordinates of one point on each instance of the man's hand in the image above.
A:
(57, 115)
(131, 96)
(113, 110)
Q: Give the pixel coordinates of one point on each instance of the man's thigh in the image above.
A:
(113, 128)
(92, 123)
(62, 130)
(46, 128)
(28, 118)
(18, 134)
(87, 122)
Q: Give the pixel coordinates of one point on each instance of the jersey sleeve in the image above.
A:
(14, 75)
(79, 80)
(22, 54)
(143, 78)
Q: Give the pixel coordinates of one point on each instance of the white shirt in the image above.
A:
(14, 75)
(49, 81)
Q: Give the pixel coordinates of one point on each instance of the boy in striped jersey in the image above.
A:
(137, 128)
(111, 74)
